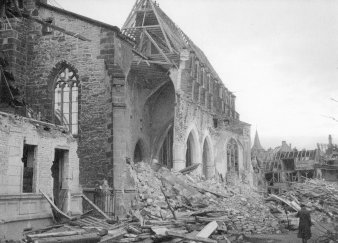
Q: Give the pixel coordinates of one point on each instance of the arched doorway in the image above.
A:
(190, 155)
(207, 161)
(166, 151)
(138, 152)
(232, 156)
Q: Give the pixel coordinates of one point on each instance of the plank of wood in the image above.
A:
(160, 22)
(54, 234)
(157, 47)
(189, 169)
(187, 237)
(95, 207)
(89, 238)
(208, 230)
(211, 192)
(54, 206)
(167, 201)
(293, 205)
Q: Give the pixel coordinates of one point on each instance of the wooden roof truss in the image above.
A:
(145, 26)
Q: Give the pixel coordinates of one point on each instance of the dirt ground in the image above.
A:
(289, 237)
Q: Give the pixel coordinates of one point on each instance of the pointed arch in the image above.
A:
(164, 151)
(208, 164)
(139, 151)
(64, 84)
(192, 149)
(234, 153)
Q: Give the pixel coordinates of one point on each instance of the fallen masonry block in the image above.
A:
(208, 230)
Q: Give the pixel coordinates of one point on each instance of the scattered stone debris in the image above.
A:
(319, 196)
(172, 205)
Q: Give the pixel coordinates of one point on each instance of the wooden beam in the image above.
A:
(160, 22)
(208, 230)
(144, 17)
(55, 234)
(141, 41)
(159, 62)
(142, 27)
(54, 206)
(155, 44)
(96, 207)
(167, 201)
(131, 14)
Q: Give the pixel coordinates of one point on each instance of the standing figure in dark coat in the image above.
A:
(304, 229)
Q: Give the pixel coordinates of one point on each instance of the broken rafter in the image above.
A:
(155, 44)
(167, 201)
(54, 206)
(95, 207)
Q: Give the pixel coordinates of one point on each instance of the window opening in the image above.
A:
(232, 155)
(28, 160)
(66, 100)
(215, 122)
(59, 178)
(188, 155)
(166, 150)
(138, 155)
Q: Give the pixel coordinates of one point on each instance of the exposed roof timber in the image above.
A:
(157, 31)
(143, 27)
(155, 44)
(141, 41)
(129, 18)
(169, 38)
(161, 23)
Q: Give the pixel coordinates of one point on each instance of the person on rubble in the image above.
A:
(304, 229)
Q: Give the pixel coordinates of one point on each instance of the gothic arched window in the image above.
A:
(66, 103)
(232, 155)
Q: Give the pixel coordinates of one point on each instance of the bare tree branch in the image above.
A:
(331, 117)
(334, 99)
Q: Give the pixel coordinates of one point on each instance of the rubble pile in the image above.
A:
(196, 201)
(317, 195)
(171, 207)
(320, 197)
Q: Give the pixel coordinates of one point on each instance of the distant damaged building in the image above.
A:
(277, 168)
(327, 166)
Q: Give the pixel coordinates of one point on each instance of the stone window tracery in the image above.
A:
(232, 155)
(66, 104)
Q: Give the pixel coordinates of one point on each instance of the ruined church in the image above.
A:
(80, 99)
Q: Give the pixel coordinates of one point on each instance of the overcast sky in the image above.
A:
(279, 57)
